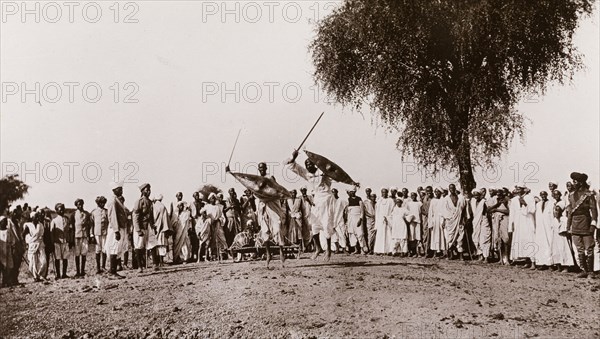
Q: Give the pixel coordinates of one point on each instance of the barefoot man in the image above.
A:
(324, 202)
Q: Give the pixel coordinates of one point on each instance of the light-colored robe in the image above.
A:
(341, 229)
(295, 225)
(522, 224)
(400, 218)
(369, 209)
(35, 249)
(117, 222)
(435, 220)
(453, 221)
(163, 225)
(414, 208)
(182, 246)
(544, 220)
(561, 253)
(215, 213)
(482, 232)
(321, 214)
(383, 239)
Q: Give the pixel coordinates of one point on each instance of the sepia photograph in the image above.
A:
(300, 169)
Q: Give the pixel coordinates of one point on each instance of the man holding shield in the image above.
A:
(321, 217)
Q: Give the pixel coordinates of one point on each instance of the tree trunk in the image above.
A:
(463, 157)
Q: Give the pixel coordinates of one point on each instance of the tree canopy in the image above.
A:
(447, 74)
(11, 189)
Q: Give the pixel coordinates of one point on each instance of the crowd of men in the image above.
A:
(548, 230)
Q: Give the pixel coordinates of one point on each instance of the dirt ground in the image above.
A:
(351, 296)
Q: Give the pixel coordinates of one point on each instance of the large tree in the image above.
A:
(11, 189)
(447, 74)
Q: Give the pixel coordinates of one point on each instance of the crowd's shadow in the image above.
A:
(364, 264)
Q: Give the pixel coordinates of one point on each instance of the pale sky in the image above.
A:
(183, 60)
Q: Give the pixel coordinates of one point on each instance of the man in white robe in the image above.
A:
(414, 226)
(321, 214)
(355, 218)
(522, 224)
(481, 226)
(295, 226)
(383, 212)
(562, 256)
(182, 247)
(369, 210)
(399, 220)
(340, 236)
(454, 221)
(163, 231)
(435, 221)
(544, 218)
(33, 233)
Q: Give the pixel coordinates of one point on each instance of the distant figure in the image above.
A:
(383, 212)
(143, 222)
(435, 223)
(454, 221)
(80, 219)
(99, 218)
(61, 230)
(399, 220)
(522, 224)
(34, 237)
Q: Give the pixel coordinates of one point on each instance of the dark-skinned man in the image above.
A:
(116, 234)
(322, 217)
(143, 222)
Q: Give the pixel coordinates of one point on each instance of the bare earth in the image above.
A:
(351, 296)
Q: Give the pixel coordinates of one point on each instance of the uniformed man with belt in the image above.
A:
(143, 222)
(582, 222)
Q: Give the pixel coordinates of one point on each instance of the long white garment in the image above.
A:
(163, 225)
(435, 220)
(481, 227)
(414, 208)
(383, 238)
(543, 232)
(182, 247)
(321, 214)
(400, 218)
(35, 249)
(561, 253)
(117, 222)
(453, 221)
(522, 224)
(355, 225)
(341, 229)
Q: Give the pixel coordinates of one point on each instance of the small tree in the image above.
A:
(11, 189)
(447, 74)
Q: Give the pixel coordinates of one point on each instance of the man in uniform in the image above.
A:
(582, 221)
(143, 222)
